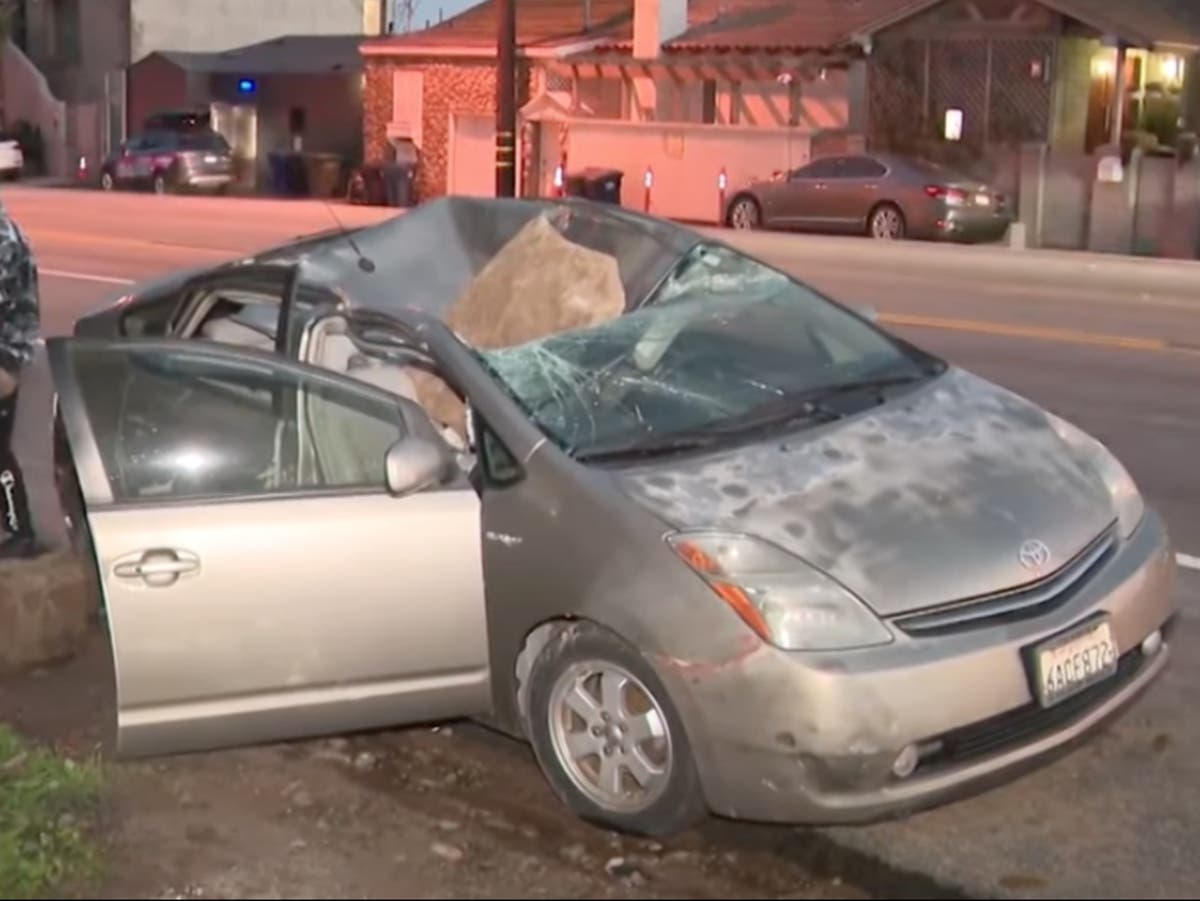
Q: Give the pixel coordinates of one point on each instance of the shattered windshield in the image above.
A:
(724, 339)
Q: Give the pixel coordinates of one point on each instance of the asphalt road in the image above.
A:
(1117, 816)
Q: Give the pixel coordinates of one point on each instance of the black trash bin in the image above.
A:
(289, 177)
(596, 183)
(400, 180)
(279, 175)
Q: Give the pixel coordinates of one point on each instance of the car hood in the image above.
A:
(923, 501)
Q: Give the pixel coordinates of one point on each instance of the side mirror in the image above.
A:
(868, 313)
(414, 464)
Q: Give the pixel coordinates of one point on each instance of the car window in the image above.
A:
(863, 167)
(159, 141)
(149, 318)
(204, 140)
(828, 167)
(179, 424)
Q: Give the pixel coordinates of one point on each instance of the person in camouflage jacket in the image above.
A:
(20, 318)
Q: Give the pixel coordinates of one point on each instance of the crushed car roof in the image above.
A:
(428, 257)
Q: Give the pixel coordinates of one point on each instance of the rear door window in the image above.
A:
(830, 167)
(864, 167)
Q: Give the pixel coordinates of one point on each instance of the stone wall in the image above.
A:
(450, 88)
(47, 607)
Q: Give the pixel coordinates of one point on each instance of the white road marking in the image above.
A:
(1187, 561)
(85, 277)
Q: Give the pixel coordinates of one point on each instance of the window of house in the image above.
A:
(65, 32)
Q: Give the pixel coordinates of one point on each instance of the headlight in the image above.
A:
(1126, 498)
(787, 602)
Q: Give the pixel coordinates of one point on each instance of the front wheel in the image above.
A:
(160, 183)
(106, 181)
(607, 736)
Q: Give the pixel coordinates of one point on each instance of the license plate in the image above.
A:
(210, 159)
(1073, 662)
(983, 200)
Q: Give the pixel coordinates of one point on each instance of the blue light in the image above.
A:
(246, 86)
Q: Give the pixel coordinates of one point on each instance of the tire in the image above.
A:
(887, 223)
(745, 214)
(107, 183)
(574, 664)
(160, 184)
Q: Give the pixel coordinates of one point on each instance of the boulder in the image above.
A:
(539, 284)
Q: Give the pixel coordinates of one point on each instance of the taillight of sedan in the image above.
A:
(957, 197)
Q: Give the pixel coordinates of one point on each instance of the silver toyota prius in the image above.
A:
(706, 539)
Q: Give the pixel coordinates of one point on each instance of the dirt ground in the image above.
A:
(424, 813)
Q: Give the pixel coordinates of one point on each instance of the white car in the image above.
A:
(12, 161)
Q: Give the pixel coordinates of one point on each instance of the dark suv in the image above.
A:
(170, 161)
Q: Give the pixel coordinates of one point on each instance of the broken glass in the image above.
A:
(724, 337)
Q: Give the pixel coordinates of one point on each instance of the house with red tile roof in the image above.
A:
(685, 95)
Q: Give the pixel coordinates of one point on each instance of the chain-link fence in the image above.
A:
(1002, 86)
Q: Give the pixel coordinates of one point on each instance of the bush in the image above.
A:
(45, 802)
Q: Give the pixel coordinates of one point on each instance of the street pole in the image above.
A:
(506, 99)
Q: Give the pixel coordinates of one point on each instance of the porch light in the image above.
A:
(1172, 69)
(1104, 67)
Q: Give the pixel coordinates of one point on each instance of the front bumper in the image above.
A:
(812, 738)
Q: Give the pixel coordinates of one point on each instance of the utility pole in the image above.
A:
(506, 98)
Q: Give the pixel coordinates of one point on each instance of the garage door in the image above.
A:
(472, 156)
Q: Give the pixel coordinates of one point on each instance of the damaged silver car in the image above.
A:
(706, 539)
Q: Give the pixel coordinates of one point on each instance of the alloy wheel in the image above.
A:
(887, 224)
(610, 736)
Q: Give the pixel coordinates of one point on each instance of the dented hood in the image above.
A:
(924, 501)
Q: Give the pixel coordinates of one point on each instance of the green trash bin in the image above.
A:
(324, 171)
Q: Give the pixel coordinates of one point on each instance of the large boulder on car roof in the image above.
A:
(540, 283)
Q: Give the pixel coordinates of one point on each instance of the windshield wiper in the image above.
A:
(877, 384)
(782, 413)
(807, 407)
(668, 444)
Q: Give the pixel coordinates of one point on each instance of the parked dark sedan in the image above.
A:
(170, 161)
(885, 196)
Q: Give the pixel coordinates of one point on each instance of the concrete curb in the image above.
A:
(1118, 273)
(43, 181)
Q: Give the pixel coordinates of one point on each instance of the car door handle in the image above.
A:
(158, 568)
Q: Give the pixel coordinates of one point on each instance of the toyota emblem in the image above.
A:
(1034, 555)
